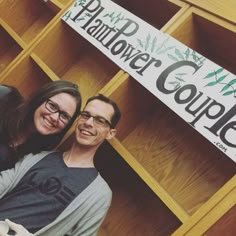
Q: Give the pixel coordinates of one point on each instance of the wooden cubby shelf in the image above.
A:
(166, 178)
(27, 76)
(161, 142)
(10, 45)
(210, 36)
(28, 17)
(166, 10)
(135, 208)
(72, 58)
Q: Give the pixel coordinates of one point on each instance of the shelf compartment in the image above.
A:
(135, 209)
(10, 46)
(30, 17)
(72, 58)
(27, 76)
(187, 166)
(159, 12)
(217, 7)
(208, 35)
(214, 215)
(224, 226)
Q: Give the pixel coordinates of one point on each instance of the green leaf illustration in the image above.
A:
(147, 42)
(228, 85)
(187, 52)
(140, 43)
(165, 50)
(177, 86)
(217, 81)
(201, 60)
(211, 83)
(181, 74)
(180, 79)
(221, 78)
(154, 41)
(67, 15)
(172, 57)
(161, 45)
(213, 73)
(117, 18)
(229, 92)
(194, 55)
(179, 54)
(173, 82)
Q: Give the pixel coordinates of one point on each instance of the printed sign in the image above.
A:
(198, 90)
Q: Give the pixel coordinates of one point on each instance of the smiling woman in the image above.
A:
(36, 123)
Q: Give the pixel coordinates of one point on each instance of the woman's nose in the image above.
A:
(54, 116)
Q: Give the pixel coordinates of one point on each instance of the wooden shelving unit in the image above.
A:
(166, 178)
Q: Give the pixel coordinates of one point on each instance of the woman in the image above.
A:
(37, 123)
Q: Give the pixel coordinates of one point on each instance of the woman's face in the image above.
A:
(54, 114)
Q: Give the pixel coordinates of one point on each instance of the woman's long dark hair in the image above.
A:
(10, 99)
(24, 117)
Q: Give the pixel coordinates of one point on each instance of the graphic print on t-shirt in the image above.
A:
(44, 192)
(50, 186)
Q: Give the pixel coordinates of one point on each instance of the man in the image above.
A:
(55, 193)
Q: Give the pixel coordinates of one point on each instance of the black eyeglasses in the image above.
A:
(53, 108)
(98, 120)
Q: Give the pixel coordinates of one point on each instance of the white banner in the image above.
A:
(198, 90)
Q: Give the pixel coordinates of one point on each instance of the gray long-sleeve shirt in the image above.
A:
(84, 214)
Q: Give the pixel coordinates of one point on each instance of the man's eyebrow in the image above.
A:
(96, 115)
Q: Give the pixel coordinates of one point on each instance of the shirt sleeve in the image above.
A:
(90, 223)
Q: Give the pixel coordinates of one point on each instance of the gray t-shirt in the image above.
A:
(44, 192)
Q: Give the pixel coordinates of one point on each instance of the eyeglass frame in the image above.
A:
(86, 116)
(57, 111)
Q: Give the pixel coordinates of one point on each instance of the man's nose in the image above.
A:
(89, 121)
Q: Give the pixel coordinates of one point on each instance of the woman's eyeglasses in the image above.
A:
(53, 108)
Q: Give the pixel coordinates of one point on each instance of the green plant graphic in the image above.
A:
(67, 15)
(218, 78)
(114, 17)
(150, 44)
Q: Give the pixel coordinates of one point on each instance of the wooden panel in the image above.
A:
(9, 48)
(208, 35)
(64, 1)
(186, 165)
(72, 58)
(211, 212)
(158, 14)
(225, 9)
(27, 76)
(135, 209)
(226, 225)
(26, 17)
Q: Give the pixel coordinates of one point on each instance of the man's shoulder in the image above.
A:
(101, 186)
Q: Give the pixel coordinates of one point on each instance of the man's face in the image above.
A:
(90, 130)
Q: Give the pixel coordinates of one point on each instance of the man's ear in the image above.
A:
(111, 134)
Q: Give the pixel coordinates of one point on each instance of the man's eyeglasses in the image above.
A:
(53, 108)
(98, 120)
